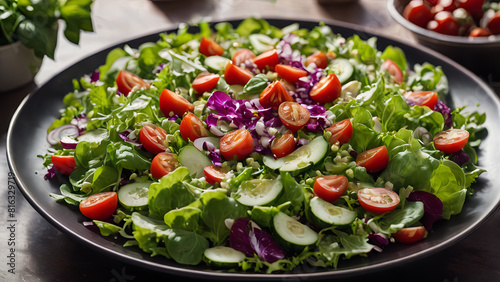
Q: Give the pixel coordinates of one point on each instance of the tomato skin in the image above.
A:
(319, 58)
(422, 98)
(236, 144)
(444, 23)
(273, 95)
(374, 160)
(293, 115)
(153, 138)
(327, 90)
(205, 82)
(393, 69)
(378, 200)
(330, 187)
(474, 7)
(213, 174)
(289, 73)
(64, 164)
(99, 206)
(480, 32)
(410, 235)
(268, 59)
(341, 131)
(163, 164)
(192, 128)
(126, 81)
(209, 47)
(172, 102)
(243, 56)
(494, 23)
(236, 75)
(283, 145)
(451, 140)
(418, 13)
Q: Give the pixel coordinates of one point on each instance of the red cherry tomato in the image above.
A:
(64, 164)
(243, 56)
(99, 206)
(327, 90)
(341, 131)
(422, 98)
(378, 200)
(330, 187)
(393, 69)
(293, 115)
(283, 145)
(209, 47)
(273, 95)
(474, 7)
(374, 160)
(451, 140)
(163, 164)
(417, 12)
(431, 2)
(171, 102)
(236, 75)
(444, 5)
(494, 23)
(444, 23)
(126, 81)
(410, 235)
(153, 138)
(267, 60)
(236, 144)
(480, 32)
(319, 58)
(213, 174)
(192, 127)
(205, 82)
(289, 73)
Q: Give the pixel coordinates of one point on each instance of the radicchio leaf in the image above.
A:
(433, 207)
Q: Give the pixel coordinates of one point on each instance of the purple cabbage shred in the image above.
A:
(446, 112)
(94, 77)
(125, 135)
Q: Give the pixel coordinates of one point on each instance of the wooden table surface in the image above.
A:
(45, 254)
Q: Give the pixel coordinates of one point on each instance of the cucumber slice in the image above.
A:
(194, 160)
(134, 196)
(325, 214)
(259, 192)
(342, 68)
(261, 42)
(216, 63)
(292, 234)
(311, 153)
(223, 257)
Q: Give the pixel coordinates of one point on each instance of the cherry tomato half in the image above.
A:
(234, 74)
(330, 187)
(422, 98)
(126, 81)
(444, 23)
(494, 23)
(163, 164)
(213, 174)
(283, 145)
(480, 32)
(293, 115)
(243, 56)
(99, 206)
(418, 13)
(209, 47)
(319, 58)
(153, 138)
(273, 95)
(393, 69)
(236, 144)
(267, 60)
(205, 82)
(192, 127)
(374, 160)
(410, 235)
(474, 7)
(327, 90)
(378, 200)
(341, 131)
(289, 73)
(64, 164)
(173, 102)
(451, 140)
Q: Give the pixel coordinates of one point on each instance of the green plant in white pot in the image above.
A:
(28, 33)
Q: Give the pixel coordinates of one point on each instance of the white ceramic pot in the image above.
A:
(18, 66)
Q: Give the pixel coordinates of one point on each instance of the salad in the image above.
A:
(258, 148)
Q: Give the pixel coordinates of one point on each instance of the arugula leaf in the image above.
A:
(186, 247)
(333, 247)
(149, 232)
(106, 228)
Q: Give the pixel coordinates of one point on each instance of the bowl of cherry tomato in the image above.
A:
(467, 31)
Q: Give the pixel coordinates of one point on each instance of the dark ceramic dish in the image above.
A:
(479, 55)
(27, 135)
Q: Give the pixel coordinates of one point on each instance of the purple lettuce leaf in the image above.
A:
(433, 207)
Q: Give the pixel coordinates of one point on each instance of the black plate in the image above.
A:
(26, 140)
